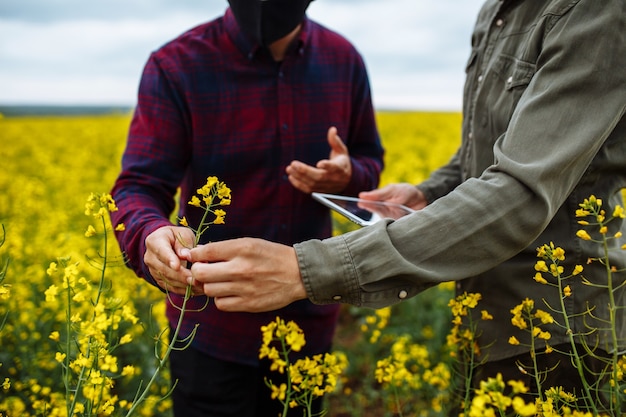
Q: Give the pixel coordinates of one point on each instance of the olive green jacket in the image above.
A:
(543, 129)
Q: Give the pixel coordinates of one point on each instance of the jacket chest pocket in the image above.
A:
(514, 72)
(507, 80)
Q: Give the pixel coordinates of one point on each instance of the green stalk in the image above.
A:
(533, 355)
(163, 361)
(612, 320)
(576, 355)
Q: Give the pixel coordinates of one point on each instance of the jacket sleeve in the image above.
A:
(574, 102)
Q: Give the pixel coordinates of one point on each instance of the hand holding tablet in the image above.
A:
(362, 212)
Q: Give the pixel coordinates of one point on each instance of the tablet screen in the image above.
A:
(362, 212)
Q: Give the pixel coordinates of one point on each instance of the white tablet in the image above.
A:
(362, 212)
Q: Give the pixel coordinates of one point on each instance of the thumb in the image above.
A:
(337, 147)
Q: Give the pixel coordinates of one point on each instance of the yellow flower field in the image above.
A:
(56, 173)
(50, 165)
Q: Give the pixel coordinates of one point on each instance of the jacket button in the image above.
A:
(337, 297)
(402, 294)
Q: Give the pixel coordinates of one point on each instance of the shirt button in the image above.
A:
(402, 294)
(470, 135)
(499, 22)
(337, 297)
(480, 78)
(509, 80)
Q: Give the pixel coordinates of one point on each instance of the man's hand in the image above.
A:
(167, 250)
(248, 274)
(402, 193)
(330, 175)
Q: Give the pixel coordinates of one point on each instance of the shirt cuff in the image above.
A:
(328, 272)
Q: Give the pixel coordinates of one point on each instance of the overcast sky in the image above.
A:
(92, 52)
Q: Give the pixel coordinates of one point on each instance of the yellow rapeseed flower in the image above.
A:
(544, 316)
(52, 269)
(5, 291)
(556, 270)
(567, 291)
(279, 392)
(524, 409)
(539, 278)
(544, 335)
(582, 213)
(583, 235)
(51, 293)
(518, 387)
(558, 253)
(128, 370)
(541, 266)
(219, 216)
(91, 231)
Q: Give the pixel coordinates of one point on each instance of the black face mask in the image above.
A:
(266, 21)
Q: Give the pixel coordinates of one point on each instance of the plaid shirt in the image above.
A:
(213, 104)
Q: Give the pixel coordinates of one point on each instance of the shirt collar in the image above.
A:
(250, 48)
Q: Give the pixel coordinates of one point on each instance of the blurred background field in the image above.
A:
(50, 165)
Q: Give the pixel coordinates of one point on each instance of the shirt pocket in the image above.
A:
(510, 78)
(513, 71)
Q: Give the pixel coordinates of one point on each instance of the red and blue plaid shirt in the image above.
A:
(213, 104)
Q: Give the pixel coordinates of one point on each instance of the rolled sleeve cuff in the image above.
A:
(328, 271)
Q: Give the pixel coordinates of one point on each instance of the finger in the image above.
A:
(222, 289)
(337, 165)
(303, 171)
(213, 272)
(337, 146)
(169, 284)
(304, 177)
(300, 185)
(380, 194)
(235, 304)
(184, 240)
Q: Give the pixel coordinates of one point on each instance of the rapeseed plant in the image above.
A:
(34, 207)
(409, 370)
(5, 293)
(306, 378)
(96, 324)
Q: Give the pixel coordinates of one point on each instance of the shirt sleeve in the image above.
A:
(569, 109)
(366, 152)
(153, 164)
(443, 180)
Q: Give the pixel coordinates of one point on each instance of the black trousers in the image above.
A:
(208, 387)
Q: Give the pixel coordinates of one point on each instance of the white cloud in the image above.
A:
(72, 52)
